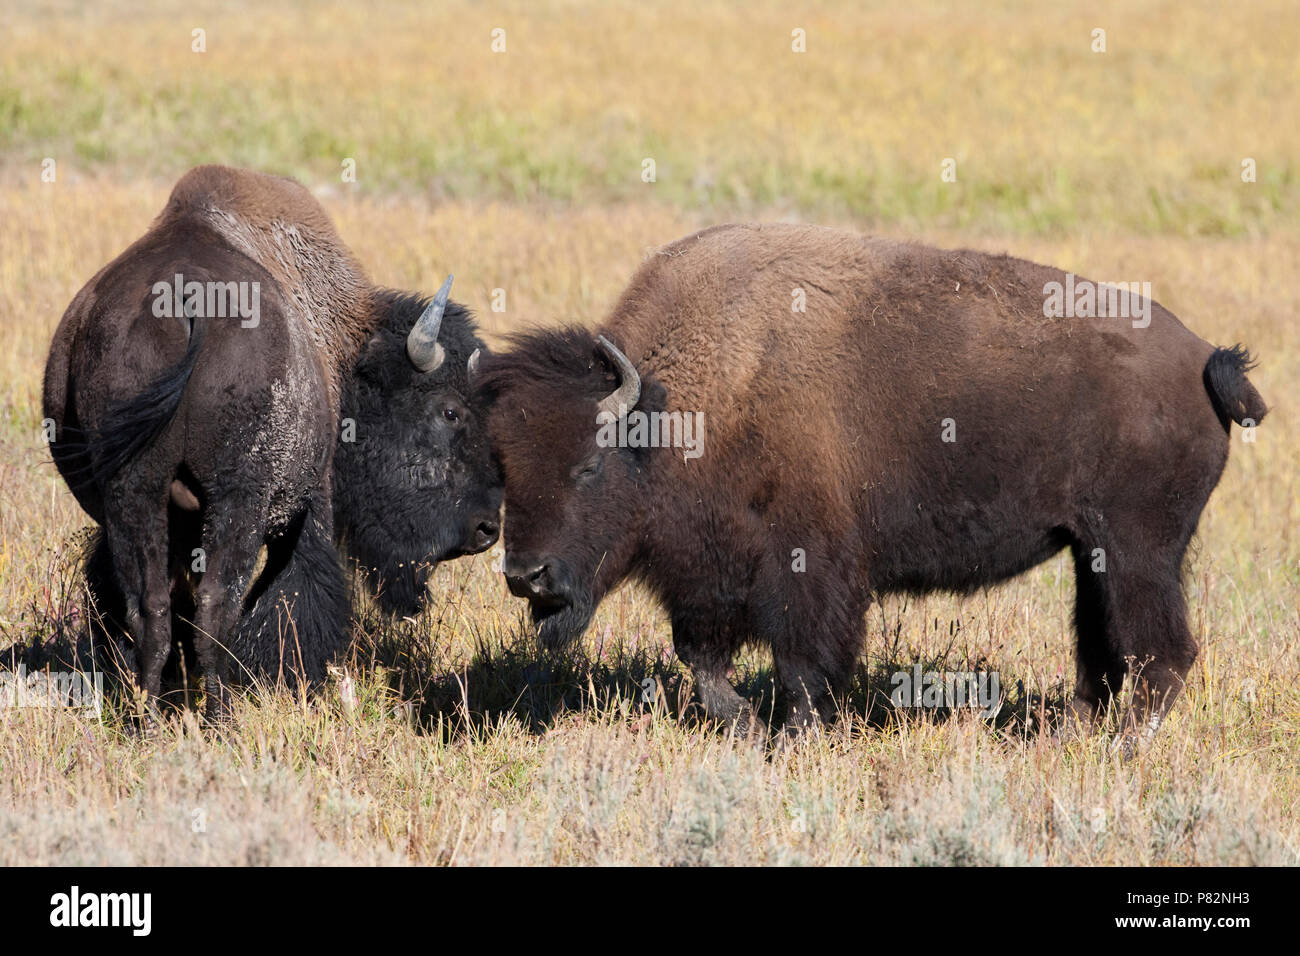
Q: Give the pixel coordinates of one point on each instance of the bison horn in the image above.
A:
(472, 365)
(422, 346)
(629, 388)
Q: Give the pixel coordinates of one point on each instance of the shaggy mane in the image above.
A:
(554, 358)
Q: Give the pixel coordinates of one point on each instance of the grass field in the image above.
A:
(450, 738)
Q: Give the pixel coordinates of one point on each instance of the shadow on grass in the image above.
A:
(509, 676)
(59, 631)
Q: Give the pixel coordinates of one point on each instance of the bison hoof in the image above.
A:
(749, 727)
(146, 724)
(798, 729)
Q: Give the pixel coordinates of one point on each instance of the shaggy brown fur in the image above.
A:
(824, 437)
(276, 222)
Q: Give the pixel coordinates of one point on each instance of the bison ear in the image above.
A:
(654, 397)
(374, 356)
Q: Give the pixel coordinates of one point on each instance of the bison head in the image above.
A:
(573, 507)
(415, 482)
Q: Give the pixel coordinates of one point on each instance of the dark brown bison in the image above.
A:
(921, 426)
(195, 387)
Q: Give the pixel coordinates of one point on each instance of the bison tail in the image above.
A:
(298, 613)
(130, 426)
(1234, 398)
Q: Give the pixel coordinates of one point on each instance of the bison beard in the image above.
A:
(558, 626)
(923, 426)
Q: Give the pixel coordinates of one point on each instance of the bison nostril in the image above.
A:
(537, 582)
(481, 536)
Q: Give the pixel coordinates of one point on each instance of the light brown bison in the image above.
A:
(196, 386)
(923, 425)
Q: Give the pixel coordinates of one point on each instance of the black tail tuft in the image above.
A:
(132, 425)
(1234, 398)
(298, 614)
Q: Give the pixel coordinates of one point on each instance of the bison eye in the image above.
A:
(588, 469)
(451, 414)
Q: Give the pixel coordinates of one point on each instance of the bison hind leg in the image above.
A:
(1131, 621)
(138, 551)
(106, 620)
(232, 537)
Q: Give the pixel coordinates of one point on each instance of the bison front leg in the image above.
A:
(816, 642)
(706, 640)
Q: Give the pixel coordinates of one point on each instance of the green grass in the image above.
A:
(1049, 137)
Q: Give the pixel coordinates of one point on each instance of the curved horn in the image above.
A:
(422, 346)
(629, 388)
(472, 365)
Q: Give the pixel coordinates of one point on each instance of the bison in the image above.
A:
(922, 424)
(204, 442)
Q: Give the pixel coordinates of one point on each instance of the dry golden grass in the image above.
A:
(465, 745)
(451, 738)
